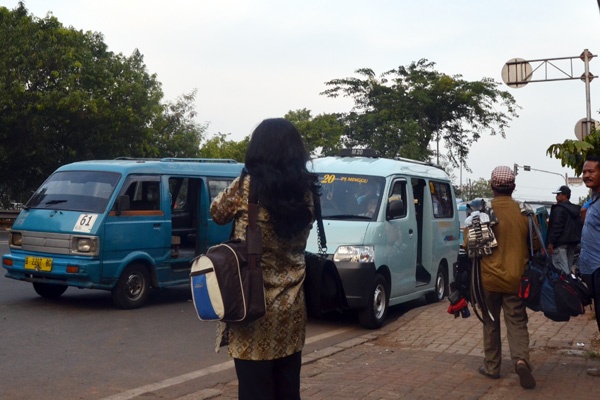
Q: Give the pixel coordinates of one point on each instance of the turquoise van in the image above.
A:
(391, 227)
(123, 225)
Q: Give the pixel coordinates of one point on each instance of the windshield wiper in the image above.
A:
(52, 202)
(344, 216)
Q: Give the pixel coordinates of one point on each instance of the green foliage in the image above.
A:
(321, 134)
(476, 189)
(219, 147)
(64, 97)
(572, 153)
(404, 110)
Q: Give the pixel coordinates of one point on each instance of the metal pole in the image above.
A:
(588, 107)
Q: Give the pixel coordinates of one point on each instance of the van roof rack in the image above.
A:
(175, 159)
(372, 153)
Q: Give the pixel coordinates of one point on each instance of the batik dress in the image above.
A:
(282, 331)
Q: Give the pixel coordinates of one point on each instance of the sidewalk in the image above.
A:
(428, 354)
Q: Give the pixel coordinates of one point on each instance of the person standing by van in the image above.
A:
(564, 230)
(501, 274)
(267, 352)
(589, 257)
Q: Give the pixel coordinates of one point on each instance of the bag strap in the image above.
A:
(321, 239)
(253, 231)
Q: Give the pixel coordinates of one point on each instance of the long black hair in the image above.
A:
(276, 160)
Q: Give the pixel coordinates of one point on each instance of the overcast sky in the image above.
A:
(251, 60)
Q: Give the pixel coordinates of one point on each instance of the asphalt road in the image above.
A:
(79, 347)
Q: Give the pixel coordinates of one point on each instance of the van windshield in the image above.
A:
(347, 196)
(87, 191)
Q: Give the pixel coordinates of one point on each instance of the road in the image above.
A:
(80, 347)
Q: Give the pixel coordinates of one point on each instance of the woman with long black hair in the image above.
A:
(268, 352)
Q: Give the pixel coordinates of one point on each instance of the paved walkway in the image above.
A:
(428, 354)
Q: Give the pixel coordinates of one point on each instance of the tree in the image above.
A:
(64, 97)
(572, 153)
(219, 147)
(477, 189)
(406, 109)
(177, 134)
(322, 134)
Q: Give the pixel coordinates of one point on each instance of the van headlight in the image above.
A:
(354, 254)
(84, 245)
(15, 239)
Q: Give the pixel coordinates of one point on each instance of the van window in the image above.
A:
(143, 192)
(216, 186)
(441, 199)
(87, 191)
(399, 193)
(346, 196)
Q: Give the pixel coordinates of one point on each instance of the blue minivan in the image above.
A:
(123, 225)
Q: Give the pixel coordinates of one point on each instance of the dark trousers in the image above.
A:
(593, 282)
(277, 379)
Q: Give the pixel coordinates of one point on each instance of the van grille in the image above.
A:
(45, 242)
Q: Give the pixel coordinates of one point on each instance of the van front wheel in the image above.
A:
(48, 290)
(132, 288)
(440, 287)
(374, 314)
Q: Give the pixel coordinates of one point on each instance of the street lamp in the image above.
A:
(528, 168)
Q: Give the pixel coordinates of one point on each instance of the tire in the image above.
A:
(440, 287)
(132, 288)
(374, 314)
(48, 290)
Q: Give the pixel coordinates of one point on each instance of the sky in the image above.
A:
(256, 59)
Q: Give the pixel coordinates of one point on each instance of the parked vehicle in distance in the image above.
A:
(122, 225)
(392, 229)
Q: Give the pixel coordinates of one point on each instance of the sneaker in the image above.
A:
(484, 372)
(593, 371)
(526, 379)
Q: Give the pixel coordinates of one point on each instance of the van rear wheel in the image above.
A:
(374, 314)
(132, 288)
(48, 290)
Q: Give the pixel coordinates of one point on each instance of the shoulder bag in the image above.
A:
(323, 288)
(227, 282)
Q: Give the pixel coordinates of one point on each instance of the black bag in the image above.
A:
(323, 288)
(583, 292)
(550, 300)
(530, 290)
(227, 282)
(567, 298)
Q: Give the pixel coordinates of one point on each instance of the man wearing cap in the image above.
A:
(500, 278)
(564, 230)
(589, 258)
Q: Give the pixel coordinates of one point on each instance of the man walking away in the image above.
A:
(500, 278)
(589, 258)
(564, 230)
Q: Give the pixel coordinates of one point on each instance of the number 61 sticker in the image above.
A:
(85, 223)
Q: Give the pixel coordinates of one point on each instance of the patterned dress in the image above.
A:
(281, 332)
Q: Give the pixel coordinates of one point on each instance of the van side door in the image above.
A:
(401, 238)
(142, 228)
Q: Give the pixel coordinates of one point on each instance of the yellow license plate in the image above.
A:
(38, 263)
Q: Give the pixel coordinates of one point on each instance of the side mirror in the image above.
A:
(395, 207)
(122, 204)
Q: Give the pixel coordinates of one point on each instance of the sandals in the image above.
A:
(526, 379)
(484, 372)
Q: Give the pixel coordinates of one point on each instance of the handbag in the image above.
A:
(323, 288)
(545, 288)
(227, 282)
(530, 289)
